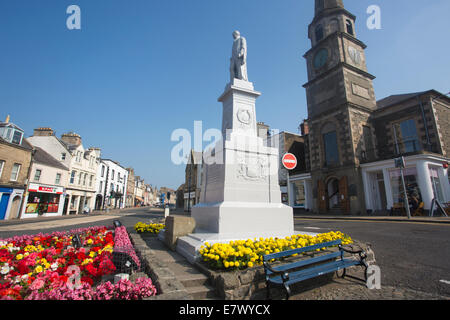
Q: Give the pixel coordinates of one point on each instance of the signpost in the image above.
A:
(289, 161)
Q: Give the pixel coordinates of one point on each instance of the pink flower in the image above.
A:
(37, 284)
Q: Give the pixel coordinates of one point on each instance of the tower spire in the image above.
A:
(322, 5)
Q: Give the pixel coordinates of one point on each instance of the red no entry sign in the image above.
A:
(289, 161)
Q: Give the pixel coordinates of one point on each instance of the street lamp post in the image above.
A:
(189, 188)
(400, 163)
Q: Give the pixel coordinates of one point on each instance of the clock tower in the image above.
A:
(340, 100)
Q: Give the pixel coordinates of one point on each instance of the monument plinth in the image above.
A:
(240, 195)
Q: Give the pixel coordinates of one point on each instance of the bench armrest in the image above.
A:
(284, 274)
(362, 254)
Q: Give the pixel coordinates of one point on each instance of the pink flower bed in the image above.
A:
(41, 267)
(122, 244)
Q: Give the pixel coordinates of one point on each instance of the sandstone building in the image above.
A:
(352, 139)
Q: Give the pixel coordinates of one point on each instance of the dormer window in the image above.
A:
(17, 137)
(11, 133)
(349, 27)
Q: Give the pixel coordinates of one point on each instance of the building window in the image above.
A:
(15, 171)
(406, 136)
(58, 178)
(37, 175)
(369, 150)
(17, 137)
(118, 176)
(100, 189)
(91, 179)
(79, 178)
(103, 171)
(63, 156)
(72, 177)
(84, 180)
(349, 26)
(2, 164)
(319, 33)
(112, 175)
(8, 134)
(412, 187)
(331, 148)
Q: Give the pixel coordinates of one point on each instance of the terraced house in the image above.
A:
(82, 164)
(15, 161)
(45, 192)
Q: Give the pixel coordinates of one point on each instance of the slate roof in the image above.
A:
(42, 157)
(397, 98)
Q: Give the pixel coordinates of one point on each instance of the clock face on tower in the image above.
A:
(320, 59)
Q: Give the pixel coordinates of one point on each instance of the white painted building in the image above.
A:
(424, 174)
(82, 164)
(45, 191)
(111, 185)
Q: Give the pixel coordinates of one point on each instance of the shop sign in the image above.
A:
(45, 189)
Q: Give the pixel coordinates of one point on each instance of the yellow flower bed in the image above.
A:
(243, 254)
(154, 228)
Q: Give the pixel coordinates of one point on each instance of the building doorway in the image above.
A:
(4, 200)
(333, 193)
(81, 205)
(66, 205)
(98, 202)
(377, 192)
(333, 196)
(15, 207)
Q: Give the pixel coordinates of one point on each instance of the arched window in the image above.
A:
(349, 26)
(331, 152)
(319, 33)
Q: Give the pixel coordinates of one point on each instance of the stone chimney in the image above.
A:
(71, 138)
(263, 130)
(304, 128)
(43, 132)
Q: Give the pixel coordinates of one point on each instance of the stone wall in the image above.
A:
(442, 117)
(11, 154)
(250, 284)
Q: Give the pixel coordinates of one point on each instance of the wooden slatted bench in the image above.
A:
(286, 274)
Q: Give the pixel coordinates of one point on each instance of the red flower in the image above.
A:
(22, 267)
(92, 270)
(12, 293)
(87, 280)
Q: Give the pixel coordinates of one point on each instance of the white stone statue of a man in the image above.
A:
(238, 67)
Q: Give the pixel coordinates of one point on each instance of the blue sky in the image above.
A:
(139, 69)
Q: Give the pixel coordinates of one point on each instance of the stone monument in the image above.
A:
(240, 197)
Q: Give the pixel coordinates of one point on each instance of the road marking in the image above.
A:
(370, 221)
(445, 281)
(313, 228)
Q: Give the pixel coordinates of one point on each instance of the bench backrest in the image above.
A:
(289, 253)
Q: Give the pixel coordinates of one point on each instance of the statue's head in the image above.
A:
(236, 34)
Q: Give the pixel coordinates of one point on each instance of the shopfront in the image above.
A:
(43, 200)
(425, 176)
(10, 200)
(300, 191)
